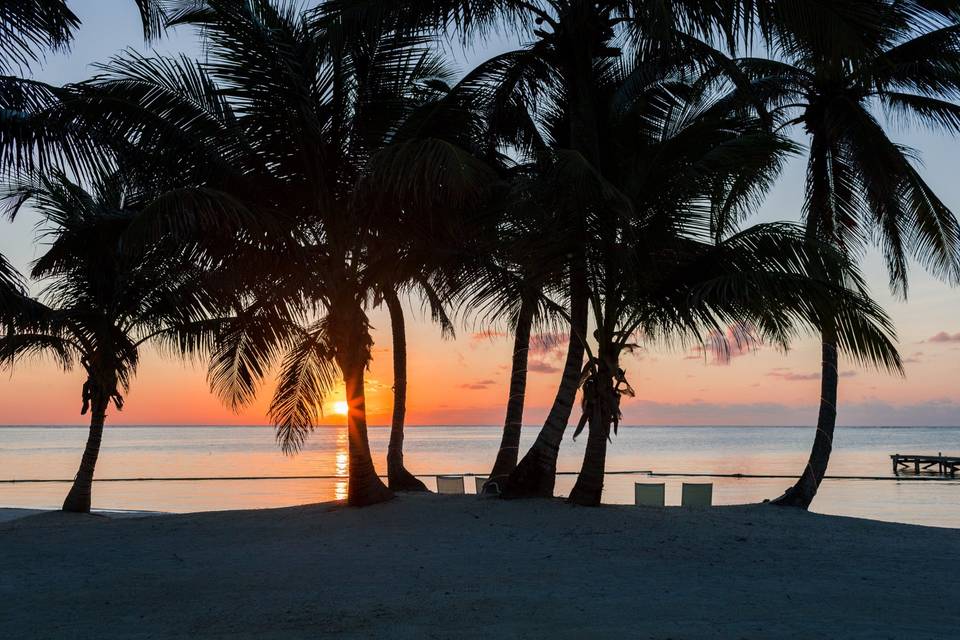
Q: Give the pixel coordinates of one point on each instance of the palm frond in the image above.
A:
(29, 27)
(246, 348)
(306, 378)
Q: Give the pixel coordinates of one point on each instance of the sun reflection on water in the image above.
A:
(343, 465)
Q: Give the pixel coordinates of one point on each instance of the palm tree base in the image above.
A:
(370, 496)
(530, 479)
(585, 496)
(402, 480)
(76, 502)
(793, 497)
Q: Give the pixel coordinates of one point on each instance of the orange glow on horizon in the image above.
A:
(465, 381)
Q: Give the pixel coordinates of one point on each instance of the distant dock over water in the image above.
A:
(944, 465)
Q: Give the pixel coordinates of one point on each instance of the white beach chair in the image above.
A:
(450, 485)
(648, 494)
(697, 494)
(480, 480)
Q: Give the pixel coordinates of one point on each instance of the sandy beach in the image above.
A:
(463, 567)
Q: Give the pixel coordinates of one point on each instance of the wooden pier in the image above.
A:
(944, 465)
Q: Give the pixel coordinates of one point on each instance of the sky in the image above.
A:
(464, 380)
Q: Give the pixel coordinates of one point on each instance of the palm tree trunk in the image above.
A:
(398, 478)
(509, 451)
(802, 493)
(536, 474)
(79, 497)
(364, 486)
(600, 403)
(350, 331)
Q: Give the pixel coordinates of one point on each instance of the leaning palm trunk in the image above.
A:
(509, 451)
(79, 498)
(398, 477)
(536, 474)
(802, 493)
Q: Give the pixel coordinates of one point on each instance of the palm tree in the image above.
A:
(508, 453)
(407, 274)
(526, 280)
(101, 301)
(569, 38)
(861, 185)
(674, 165)
(579, 32)
(515, 282)
(330, 138)
(398, 477)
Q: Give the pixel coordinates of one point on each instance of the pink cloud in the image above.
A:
(539, 366)
(792, 376)
(548, 343)
(736, 341)
(943, 336)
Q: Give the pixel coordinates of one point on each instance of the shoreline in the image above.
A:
(458, 566)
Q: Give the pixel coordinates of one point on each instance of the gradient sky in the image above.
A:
(464, 381)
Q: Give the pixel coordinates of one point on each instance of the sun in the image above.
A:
(340, 407)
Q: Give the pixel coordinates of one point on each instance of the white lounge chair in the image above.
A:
(697, 494)
(480, 480)
(648, 494)
(450, 485)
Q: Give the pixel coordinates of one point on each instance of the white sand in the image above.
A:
(463, 567)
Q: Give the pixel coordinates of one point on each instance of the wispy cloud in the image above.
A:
(540, 366)
(548, 343)
(478, 385)
(723, 347)
(944, 337)
(487, 334)
(793, 376)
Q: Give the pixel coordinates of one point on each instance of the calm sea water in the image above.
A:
(191, 452)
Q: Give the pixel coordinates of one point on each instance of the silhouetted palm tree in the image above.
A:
(862, 187)
(579, 32)
(101, 300)
(673, 164)
(398, 477)
(409, 273)
(312, 129)
(569, 38)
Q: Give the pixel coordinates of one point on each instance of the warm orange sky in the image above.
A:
(465, 381)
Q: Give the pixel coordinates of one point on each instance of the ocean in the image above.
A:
(191, 452)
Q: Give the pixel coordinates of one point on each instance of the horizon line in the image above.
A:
(136, 425)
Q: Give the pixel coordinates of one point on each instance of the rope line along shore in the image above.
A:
(649, 473)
